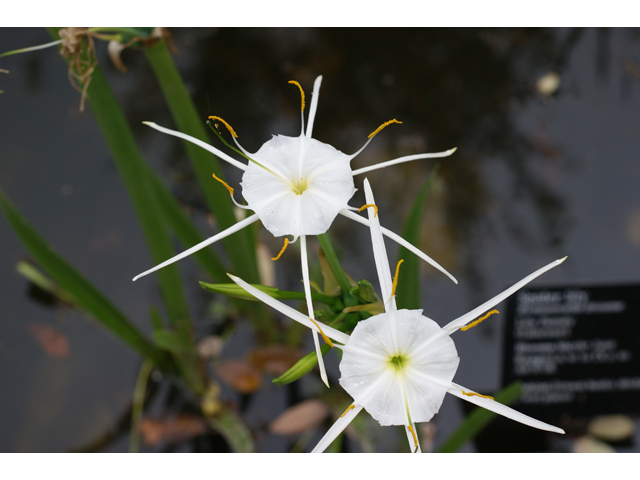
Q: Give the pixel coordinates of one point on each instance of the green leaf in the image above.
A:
(84, 294)
(240, 247)
(408, 289)
(156, 319)
(236, 291)
(172, 341)
(35, 276)
(234, 431)
(479, 418)
(302, 367)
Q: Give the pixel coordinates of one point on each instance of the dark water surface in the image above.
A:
(536, 177)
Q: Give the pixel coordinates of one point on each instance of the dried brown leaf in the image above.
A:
(50, 339)
(239, 375)
(171, 430)
(300, 417)
(275, 359)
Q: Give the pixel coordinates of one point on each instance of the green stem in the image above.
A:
(334, 263)
(138, 405)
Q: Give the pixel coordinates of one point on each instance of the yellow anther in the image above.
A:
(353, 405)
(326, 339)
(395, 278)
(415, 438)
(382, 126)
(301, 91)
(284, 247)
(224, 183)
(473, 394)
(375, 214)
(471, 325)
(225, 124)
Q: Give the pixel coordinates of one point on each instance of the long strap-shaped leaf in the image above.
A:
(85, 295)
(133, 171)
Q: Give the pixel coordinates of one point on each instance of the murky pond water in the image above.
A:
(542, 170)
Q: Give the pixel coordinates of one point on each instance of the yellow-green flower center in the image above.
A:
(300, 186)
(398, 362)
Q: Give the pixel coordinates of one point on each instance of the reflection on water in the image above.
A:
(536, 176)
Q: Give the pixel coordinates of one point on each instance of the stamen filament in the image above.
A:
(324, 337)
(395, 278)
(284, 247)
(227, 144)
(243, 153)
(350, 407)
(230, 189)
(473, 394)
(382, 126)
(415, 437)
(301, 91)
(225, 124)
(367, 206)
(481, 319)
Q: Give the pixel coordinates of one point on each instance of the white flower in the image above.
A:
(399, 365)
(297, 186)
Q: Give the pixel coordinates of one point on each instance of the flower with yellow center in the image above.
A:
(297, 186)
(398, 365)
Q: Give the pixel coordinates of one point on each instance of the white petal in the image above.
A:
(501, 409)
(291, 312)
(200, 143)
(314, 105)
(307, 296)
(408, 158)
(298, 160)
(398, 239)
(473, 314)
(337, 428)
(379, 251)
(225, 233)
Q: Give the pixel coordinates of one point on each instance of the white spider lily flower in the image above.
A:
(297, 186)
(398, 365)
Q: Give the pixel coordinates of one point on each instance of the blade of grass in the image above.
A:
(478, 419)
(83, 293)
(408, 292)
